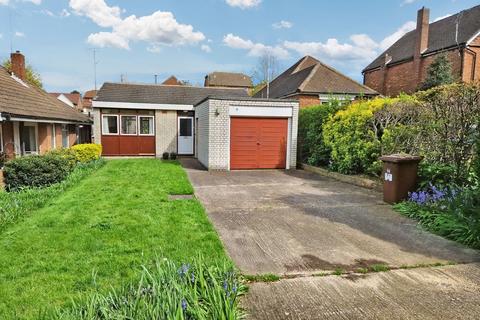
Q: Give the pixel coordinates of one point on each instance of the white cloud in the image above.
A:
(405, 2)
(206, 48)
(19, 34)
(244, 4)
(7, 2)
(442, 17)
(282, 25)
(254, 49)
(4, 2)
(159, 28)
(391, 39)
(48, 13)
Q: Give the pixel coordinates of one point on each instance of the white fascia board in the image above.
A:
(473, 38)
(44, 120)
(142, 106)
(281, 112)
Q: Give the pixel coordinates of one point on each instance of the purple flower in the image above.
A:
(225, 285)
(184, 305)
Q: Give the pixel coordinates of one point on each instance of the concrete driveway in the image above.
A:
(299, 224)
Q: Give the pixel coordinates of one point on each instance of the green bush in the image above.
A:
(65, 153)
(169, 291)
(15, 205)
(312, 148)
(87, 152)
(36, 171)
(353, 138)
(3, 159)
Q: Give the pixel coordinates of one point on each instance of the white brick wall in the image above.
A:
(165, 132)
(97, 132)
(214, 130)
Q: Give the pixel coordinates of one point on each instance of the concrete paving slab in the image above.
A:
(450, 292)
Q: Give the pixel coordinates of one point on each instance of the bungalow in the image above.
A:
(31, 120)
(224, 128)
(312, 83)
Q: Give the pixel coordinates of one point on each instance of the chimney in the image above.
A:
(421, 41)
(423, 24)
(18, 65)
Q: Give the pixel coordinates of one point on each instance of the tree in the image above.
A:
(33, 77)
(266, 70)
(438, 73)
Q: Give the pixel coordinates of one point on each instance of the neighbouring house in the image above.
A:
(73, 99)
(31, 120)
(173, 81)
(403, 67)
(229, 80)
(311, 82)
(223, 127)
(87, 101)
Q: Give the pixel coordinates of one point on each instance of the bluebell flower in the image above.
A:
(192, 277)
(184, 304)
(225, 285)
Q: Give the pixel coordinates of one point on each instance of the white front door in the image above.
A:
(185, 135)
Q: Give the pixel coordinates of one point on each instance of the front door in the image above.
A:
(185, 135)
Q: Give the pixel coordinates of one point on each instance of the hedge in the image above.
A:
(87, 152)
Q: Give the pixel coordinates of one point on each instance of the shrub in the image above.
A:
(15, 205)
(65, 153)
(165, 156)
(312, 148)
(168, 291)
(36, 171)
(173, 156)
(354, 139)
(87, 152)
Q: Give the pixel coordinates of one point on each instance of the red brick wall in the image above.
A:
(402, 78)
(72, 135)
(58, 135)
(307, 100)
(471, 62)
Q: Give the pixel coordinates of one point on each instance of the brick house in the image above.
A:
(312, 83)
(73, 99)
(403, 66)
(229, 80)
(31, 120)
(223, 127)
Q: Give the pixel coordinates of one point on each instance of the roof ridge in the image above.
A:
(170, 86)
(310, 75)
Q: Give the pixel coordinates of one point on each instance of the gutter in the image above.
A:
(12, 117)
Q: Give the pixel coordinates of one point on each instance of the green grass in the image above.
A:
(268, 277)
(98, 233)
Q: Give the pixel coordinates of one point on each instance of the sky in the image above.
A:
(138, 39)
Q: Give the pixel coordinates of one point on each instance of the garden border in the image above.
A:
(356, 180)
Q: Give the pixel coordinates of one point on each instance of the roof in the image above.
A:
(162, 94)
(310, 76)
(172, 81)
(441, 36)
(90, 94)
(248, 99)
(229, 79)
(25, 100)
(73, 97)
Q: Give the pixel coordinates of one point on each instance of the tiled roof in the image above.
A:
(73, 97)
(90, 94)
(162, 94)
(229, 79)
(442, 35)
(28, 101)
(309, 76)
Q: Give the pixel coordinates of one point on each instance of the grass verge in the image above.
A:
(97, 234)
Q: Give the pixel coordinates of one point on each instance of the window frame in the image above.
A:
(34, 125)
(1, 138)
(136, 125)
(118, 125)
(66, 130)
(153, 126)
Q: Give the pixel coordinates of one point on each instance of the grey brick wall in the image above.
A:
(202, 131)
(165, 131)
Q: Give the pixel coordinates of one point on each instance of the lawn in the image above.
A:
(99, 233)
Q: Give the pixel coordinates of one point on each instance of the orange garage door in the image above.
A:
(258, 143)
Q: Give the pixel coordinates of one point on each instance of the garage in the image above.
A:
(246, 134)
(258, 143)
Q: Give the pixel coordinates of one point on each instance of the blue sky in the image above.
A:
(189, 38)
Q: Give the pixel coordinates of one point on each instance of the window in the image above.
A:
(109, 124)
(28, 138)
(65, 136)
(146, 127)
(186, 127)
(129, 125)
